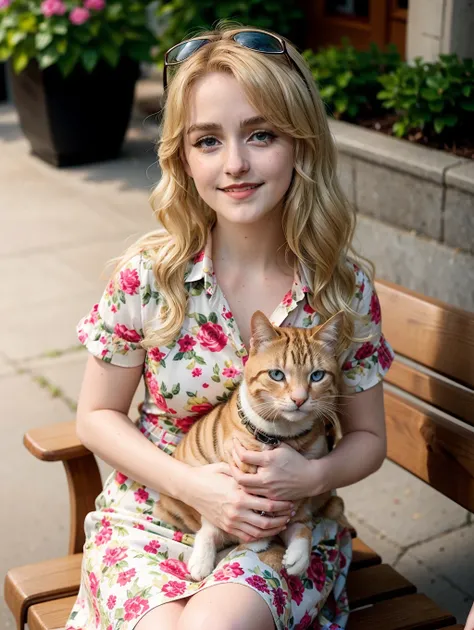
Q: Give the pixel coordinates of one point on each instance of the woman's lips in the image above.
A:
(241, 194)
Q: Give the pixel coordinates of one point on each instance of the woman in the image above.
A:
(251, 218)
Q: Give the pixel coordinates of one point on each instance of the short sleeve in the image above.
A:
(365, 363)
(113, 330)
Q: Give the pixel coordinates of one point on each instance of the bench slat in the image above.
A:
(374, 584)
(402, 613)
(428, 331)
(363, 556)
(425, 445)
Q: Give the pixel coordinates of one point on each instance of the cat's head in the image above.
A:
(293, 373)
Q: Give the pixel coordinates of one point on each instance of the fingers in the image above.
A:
(260, 504)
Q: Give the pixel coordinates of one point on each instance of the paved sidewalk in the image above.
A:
(58, 228)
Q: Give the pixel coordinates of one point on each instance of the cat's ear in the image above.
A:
(329, 332)
(262, 331)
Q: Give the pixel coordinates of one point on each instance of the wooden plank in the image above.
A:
(427, 445)
(363, 556)
(428, 331)
(50, 615)
(374, 584)
(433, 388)
(32, 583)
(55, 442)
(402, 613)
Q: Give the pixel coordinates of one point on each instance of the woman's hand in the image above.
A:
(282, 474)
(218, 497)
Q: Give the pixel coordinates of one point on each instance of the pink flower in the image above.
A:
(141, 495)
(279, 600)
(172, 589)
(196, 372)
(228, 314)
(94, 5)
(175, 567)
(296, 587)
(202, 409)
(185, 423)
(287, 299)
(375, 313)
(120, 478)
(205, 385)
(304, 623)
(230, 372)
(186, 343)
(228, 571)
(111, 602)
(129, 281)
(4, 4)
(113, 555)
(104, 535)
(152, 546)
(366, 350)
(93, 584)
(385, 356)
(134, 607)
(127, 334)
(156, 355)
(258, 582)
(124, 577)
(199, 257)
(178, 536)
(317, 572)
(308, 309)
(212, 336)
(53, 7)
(79, 16)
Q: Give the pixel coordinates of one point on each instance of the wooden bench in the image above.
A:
(429, 399)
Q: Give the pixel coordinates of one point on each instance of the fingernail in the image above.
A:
(293, 513)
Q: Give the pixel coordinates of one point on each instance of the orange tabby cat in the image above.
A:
(289, 390)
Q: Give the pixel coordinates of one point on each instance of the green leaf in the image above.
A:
(110, 54)
(213, 318)
(439, 125)
(89, 58)
(20, 61)
(468, 107)
(47, 58)
(43, 40)
(429, 94)
(466, 90)
(399, 129)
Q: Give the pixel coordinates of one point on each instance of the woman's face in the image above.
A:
(229, 147)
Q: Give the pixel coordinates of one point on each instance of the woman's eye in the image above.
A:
(276, 375)
(317, 376)
(206, 143)
(263, 136)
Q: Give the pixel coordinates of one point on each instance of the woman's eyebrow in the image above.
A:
(248, 122)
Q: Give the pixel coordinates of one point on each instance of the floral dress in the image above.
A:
(133, 562)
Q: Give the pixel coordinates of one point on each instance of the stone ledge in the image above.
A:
(404, 156)
(462, 176)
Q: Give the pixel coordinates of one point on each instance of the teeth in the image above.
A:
(239, 189)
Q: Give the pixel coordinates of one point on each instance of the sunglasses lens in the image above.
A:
(262, 42)
(184, 50)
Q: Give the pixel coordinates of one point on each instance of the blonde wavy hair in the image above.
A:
(317, 220)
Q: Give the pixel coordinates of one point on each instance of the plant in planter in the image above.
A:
(74, 68)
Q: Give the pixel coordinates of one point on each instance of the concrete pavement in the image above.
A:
(58, 228)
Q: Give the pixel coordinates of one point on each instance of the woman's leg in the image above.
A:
(227, 607)
(165, 617)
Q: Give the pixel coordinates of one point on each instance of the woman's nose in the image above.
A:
(236, 162)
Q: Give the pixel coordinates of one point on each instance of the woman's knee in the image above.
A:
(227, 607)
(165, 617)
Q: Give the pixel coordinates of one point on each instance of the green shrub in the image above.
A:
(348, 78)
(430, 96)
(186, 18)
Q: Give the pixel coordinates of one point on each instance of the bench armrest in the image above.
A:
(55, 442)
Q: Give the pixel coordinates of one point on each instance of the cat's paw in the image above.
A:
(200, 565)
(296, 559)
(259, 545)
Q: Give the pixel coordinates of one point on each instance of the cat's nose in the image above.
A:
(299, 401)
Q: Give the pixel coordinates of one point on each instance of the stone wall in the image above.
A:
(416, 211)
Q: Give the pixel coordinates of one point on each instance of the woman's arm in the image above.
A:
(104, 427)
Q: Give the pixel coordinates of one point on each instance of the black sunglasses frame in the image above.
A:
(283, 51)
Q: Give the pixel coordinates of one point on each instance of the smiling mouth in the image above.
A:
(241, 188)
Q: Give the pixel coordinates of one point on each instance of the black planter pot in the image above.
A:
(77, 119)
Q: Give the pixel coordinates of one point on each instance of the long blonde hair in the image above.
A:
(318, 222)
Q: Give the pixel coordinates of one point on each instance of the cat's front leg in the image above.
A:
(203, 557)
(298, 540)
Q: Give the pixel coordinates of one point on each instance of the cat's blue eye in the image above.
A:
(317, 376)
(276, 375)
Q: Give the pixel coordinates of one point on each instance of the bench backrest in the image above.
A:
(429, 390)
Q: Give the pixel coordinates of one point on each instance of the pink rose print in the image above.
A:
(93, 584)
(230, 372)
(129, 281)
(228, 314)
(375, 313)
(178, 536)
(287, 299)
(205, 385)
(113, 555)
(139, 526)
(172, 589)
(199, 257)
(104, 535)
(317, 572)
(120, 478)
(79, 15)
(105, 522)
(196, 372)
(229, 571)
(279, 600)
(127, 334)
(308, 309)
(258, 582)
(384, 354)
(347, 366)
(152, 546)
(186, 343)
(202, 409)
(156, 355)
(141, 495)
(135, 607)
(366, 350)
(212, 337)
(175, 567)
(111, 602)
(304, 623)
(296, 587)
(185, 423)
(94, 5)
(124, 577)
(245, 359)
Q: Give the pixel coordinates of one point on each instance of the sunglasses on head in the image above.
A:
(259, 41)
